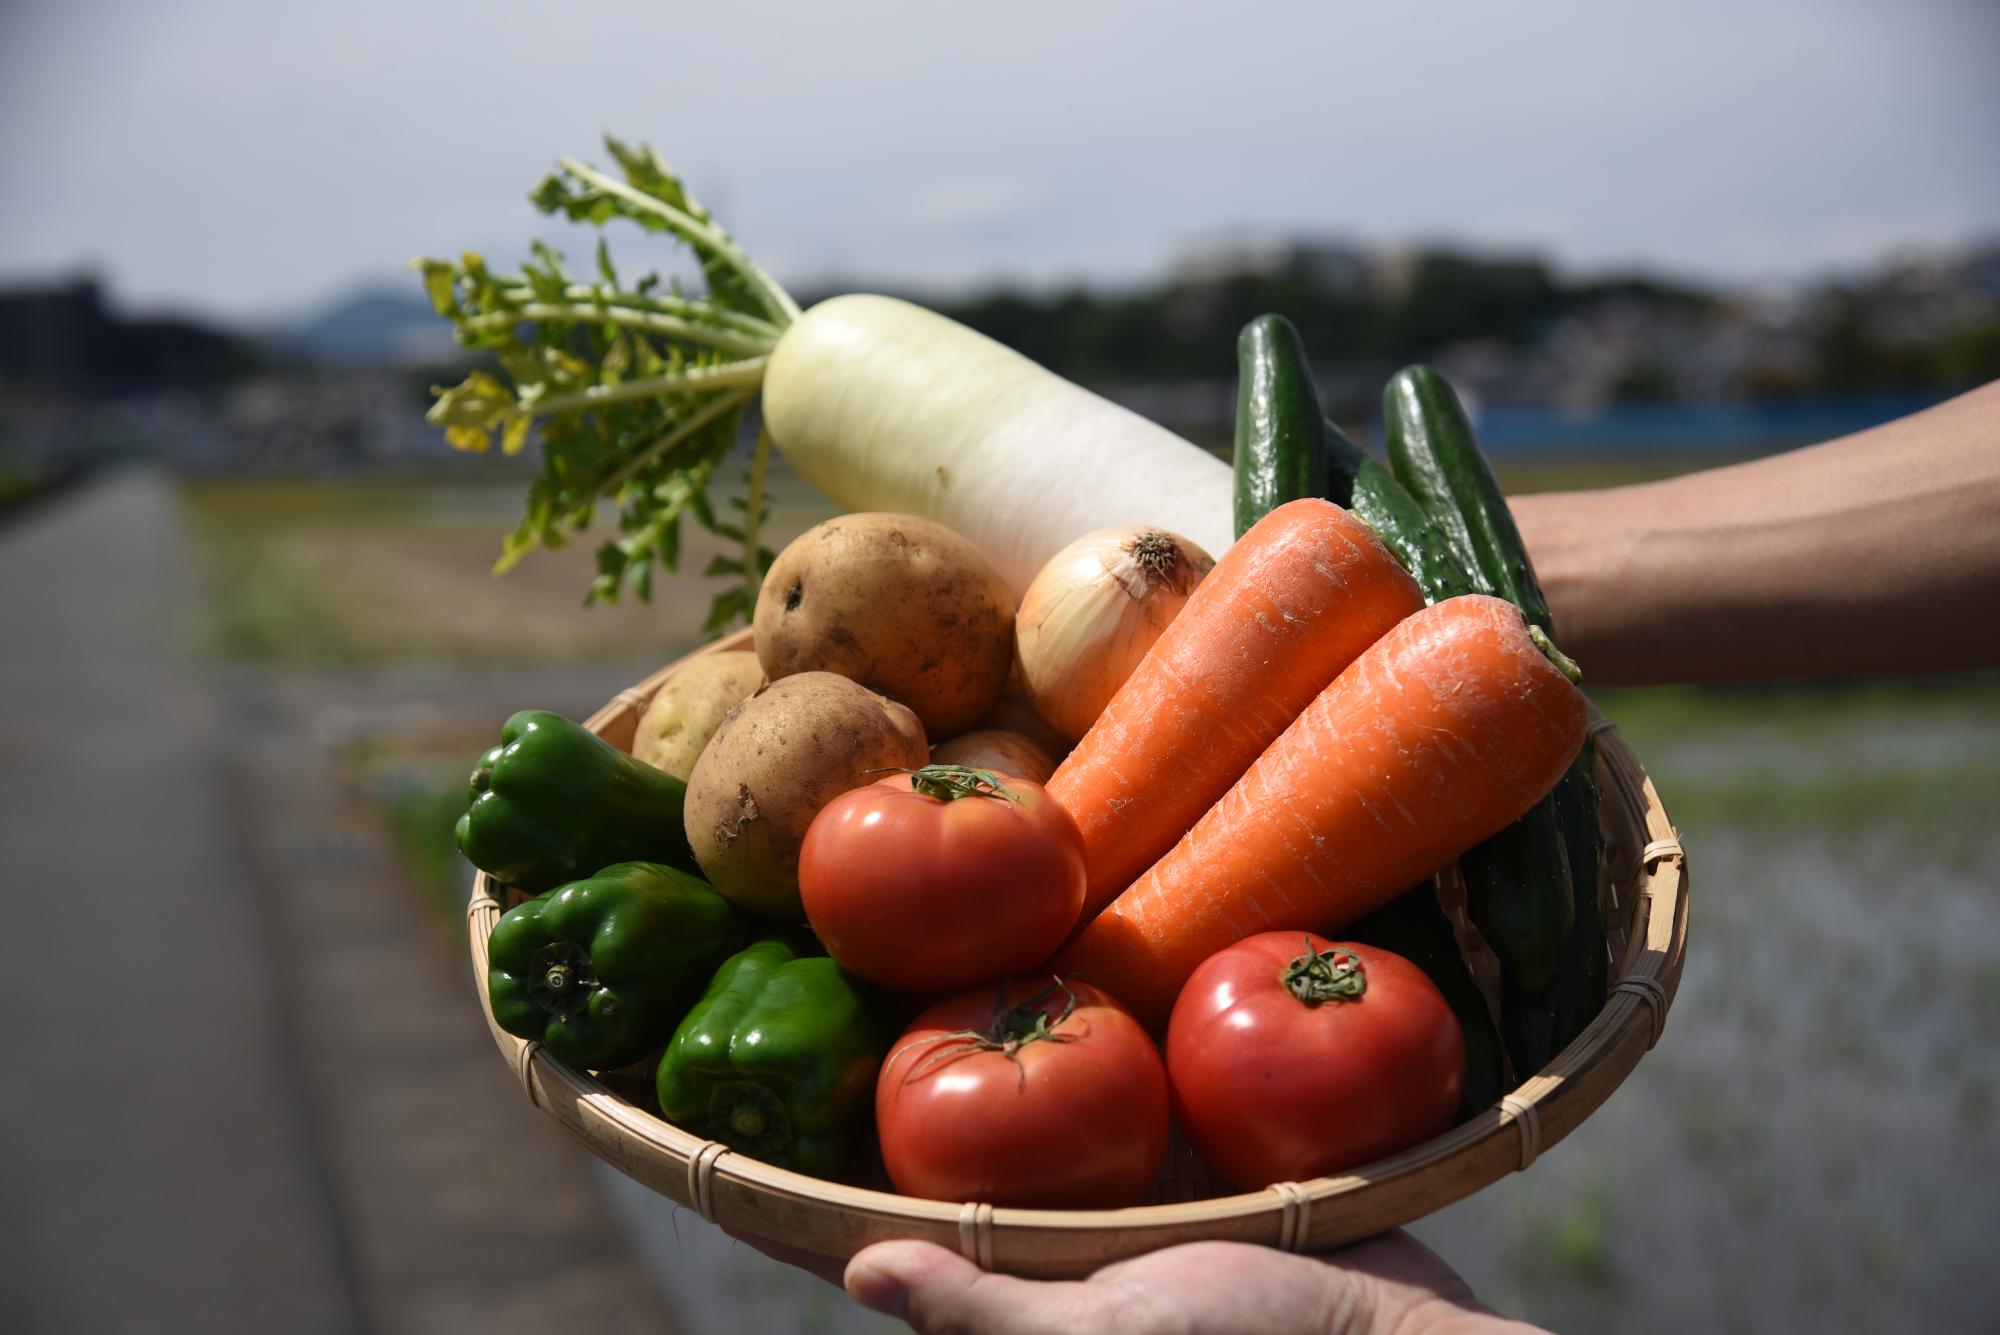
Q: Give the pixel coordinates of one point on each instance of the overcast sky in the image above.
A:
(252, 159)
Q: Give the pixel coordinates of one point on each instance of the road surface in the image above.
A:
(242, 1088)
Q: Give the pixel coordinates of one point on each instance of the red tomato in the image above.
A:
(1049, 1096)
(932, 893)
(1269, 1088)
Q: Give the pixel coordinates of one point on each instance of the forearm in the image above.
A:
(1878, 552)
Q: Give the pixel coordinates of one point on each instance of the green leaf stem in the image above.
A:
(635, 396)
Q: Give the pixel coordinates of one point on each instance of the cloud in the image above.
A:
(969, 202)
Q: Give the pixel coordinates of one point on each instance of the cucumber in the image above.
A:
(1576, 993)
(1532, 889)
(1386, 506)
(1538, 1025)
(1433, 454)
(1413, 926)
(1518, 894)
(1286, 448)
(1281, 446)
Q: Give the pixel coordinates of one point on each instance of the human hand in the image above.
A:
(1391, 1283)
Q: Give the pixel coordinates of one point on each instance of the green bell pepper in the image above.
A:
(554, 802)
(601, 970)
(778, 1059)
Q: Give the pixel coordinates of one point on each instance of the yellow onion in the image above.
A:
(1011, 753)
(1093, 612)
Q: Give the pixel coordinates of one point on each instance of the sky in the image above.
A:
(252, 160)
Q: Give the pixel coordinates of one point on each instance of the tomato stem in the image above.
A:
(1027, 1022)
(948, 783)
(1332, 975)
(1012, 1028)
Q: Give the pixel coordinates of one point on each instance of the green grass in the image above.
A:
(1942, 810)
(1800, 709)
(420, 820)
(1568, 1243)
(259, 506)
(262, 609)
(1906, 763)
(359, 573)
(416, 786)
(1519, 476)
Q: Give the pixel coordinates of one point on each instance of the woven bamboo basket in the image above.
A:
(1646, 933)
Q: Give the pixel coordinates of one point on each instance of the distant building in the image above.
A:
(62, 340)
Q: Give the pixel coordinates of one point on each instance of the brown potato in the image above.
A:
(992, 748)
(685, 712)
(902, 605)
(781, 755)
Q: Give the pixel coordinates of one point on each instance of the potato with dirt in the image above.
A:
(902, 605)
(686, 711)
(781, 755)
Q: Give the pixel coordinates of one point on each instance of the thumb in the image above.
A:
(937, 1290)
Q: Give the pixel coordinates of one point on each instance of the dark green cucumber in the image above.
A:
(1413, 926)
(1576, 993)
(1386, 506)
(1532, 889)
(1518, 894)
(1286, 449)
(1432, 452)
(1281, 447)
(1518, 884)
(1538, 1025)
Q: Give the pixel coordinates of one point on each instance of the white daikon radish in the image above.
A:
(883, 405)
(636, 396)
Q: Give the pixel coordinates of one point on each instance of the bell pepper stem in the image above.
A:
(749, 1117)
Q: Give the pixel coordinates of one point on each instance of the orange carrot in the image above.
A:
(1291, 604)
(1444, 732)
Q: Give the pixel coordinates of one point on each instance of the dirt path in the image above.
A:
(242, 1090)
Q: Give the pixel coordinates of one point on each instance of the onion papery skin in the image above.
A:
(1092, 614)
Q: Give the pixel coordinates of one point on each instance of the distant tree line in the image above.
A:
(1852, 353)
(1179, 329)
(1887, 332)
(1189, 329)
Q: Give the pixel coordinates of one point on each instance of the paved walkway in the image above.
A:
(242, 1088)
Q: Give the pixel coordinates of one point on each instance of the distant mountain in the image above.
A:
(376, 326)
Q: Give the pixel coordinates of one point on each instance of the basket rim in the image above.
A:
(752, 1196)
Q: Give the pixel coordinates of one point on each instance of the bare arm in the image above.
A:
(1875, 553)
